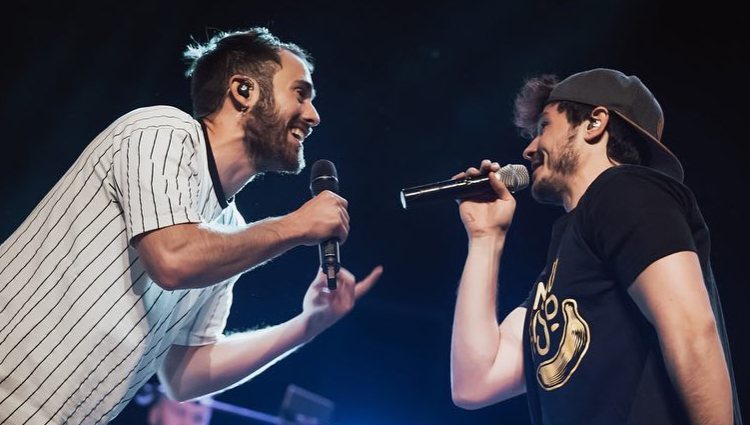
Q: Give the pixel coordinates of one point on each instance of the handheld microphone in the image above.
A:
(323, 176)
(514, 176)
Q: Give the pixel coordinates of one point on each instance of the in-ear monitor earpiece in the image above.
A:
(244, 89)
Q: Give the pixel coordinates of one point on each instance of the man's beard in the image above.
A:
(550, 189)
(267, 143)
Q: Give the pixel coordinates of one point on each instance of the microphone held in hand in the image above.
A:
(514, 176)
(323, 176)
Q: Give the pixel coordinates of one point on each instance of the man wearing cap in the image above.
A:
(623, 325)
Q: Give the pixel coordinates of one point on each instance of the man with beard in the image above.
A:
(623, 325)
(126, 267)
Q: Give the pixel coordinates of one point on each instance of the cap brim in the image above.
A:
(662, 159)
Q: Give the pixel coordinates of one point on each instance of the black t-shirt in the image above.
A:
(590, 356)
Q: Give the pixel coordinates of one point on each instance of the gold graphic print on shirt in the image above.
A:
(574, 342)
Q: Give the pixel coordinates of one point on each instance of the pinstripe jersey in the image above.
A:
(82, 326)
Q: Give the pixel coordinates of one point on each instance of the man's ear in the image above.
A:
(243, 91)
(596, 124)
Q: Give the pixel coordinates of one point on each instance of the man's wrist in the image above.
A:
(310, 325)
(288, 229)
(492, 241)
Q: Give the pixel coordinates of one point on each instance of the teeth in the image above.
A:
(298, 134)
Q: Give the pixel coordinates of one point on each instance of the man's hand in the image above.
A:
(482, 217)
(323, 307)
(319, 219)
(194, 371)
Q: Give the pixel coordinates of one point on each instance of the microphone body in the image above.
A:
(514, 176)
(323, 176)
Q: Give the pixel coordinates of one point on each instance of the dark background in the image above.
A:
(409, 93)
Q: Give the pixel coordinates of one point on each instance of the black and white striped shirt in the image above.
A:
(82, 326)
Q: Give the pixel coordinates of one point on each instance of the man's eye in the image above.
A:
(540, 127)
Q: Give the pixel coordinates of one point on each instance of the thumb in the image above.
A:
(320, 278)
(499, 187)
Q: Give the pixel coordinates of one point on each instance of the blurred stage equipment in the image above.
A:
(298, 407)
(301, 407)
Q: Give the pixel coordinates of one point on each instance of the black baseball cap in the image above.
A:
(627, 96)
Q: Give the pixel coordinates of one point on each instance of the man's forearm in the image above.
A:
(475, 338)
(672, 295)
(699, 372)
(194, 256)
(191, 372)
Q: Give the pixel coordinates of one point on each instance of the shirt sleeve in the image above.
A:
(635, 219)
(157, 178)
(207, 327)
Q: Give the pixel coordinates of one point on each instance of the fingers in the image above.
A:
(336, 197)
(343, 232)
(472, 172)
(364, 285)
(346, 280)
(320, 279)
(499, 187)
(485, 167)
(330, 218)
(490, 169)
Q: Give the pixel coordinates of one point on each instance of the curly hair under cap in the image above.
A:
(625, 145)
(530, 102)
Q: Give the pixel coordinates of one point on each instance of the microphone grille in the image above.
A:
(323, 176)
(514, 176)
(322, 167)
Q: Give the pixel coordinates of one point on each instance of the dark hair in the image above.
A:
(254, 52)
(625, 145)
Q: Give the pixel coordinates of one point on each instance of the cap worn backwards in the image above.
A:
(630, 99)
